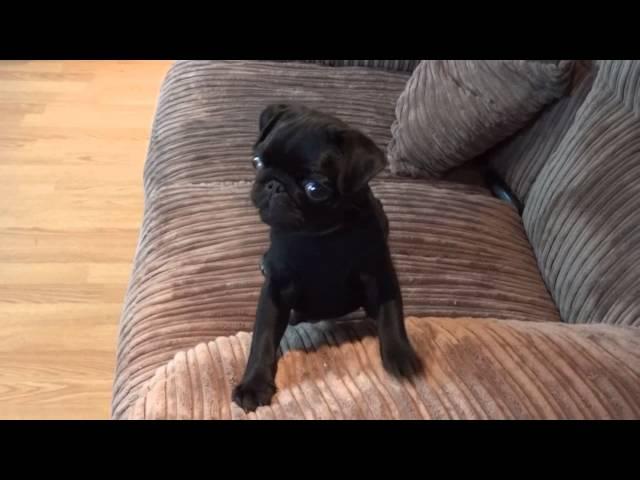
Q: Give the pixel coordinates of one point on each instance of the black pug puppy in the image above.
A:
(328, 255)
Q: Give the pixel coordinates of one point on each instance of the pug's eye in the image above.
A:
(316, 191)
(257, 163)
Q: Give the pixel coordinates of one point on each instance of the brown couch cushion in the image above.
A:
(392, 65)
(207, 116)
(454, 110)
(583, 212)
(458, 252)
(474, 369)
(519, 159)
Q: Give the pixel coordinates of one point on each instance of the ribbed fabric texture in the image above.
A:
(583, 212)
(451, 111)
(458, 252)
(475, 369)
(519, 159)
(406, 66)
(207, 117)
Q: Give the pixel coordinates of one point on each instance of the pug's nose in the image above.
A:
(274, 187)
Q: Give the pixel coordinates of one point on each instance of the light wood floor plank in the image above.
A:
(73, 138)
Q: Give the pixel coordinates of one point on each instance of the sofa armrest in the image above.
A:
(474, 369)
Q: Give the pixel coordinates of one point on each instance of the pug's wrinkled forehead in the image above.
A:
(281, 114)
(299, 145)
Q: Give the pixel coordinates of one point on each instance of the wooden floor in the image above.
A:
(73, 137)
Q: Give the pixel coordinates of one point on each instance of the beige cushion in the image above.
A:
(454, 110)
(458, 252)
(474, 369)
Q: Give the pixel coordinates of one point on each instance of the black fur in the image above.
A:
(327, 258)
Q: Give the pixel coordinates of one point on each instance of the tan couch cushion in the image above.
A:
(207, 116)
(458, 252)
(454, 110)
(474, 369)
(583, 211)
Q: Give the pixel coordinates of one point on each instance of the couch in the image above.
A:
(517, 315)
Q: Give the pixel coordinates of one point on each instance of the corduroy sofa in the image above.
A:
(528, 317)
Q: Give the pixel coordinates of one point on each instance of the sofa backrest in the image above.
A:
(582, 212)
(519, 159)
(392, 65)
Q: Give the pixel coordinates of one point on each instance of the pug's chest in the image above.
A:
(322, 275)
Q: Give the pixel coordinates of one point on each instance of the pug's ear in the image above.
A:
(361, 161)
(270, 117)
